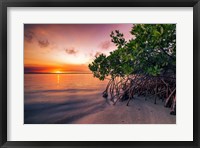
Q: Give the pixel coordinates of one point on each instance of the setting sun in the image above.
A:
(58, 71)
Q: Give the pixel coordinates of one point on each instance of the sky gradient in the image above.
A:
(67, 48)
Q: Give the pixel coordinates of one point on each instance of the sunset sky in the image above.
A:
(67, 48)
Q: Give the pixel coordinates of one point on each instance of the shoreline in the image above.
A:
(90, 110)
(139, 111)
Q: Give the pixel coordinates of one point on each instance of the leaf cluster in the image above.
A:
(152, 52)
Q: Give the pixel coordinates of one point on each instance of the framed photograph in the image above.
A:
(104, 73)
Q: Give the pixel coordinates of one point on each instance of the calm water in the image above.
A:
(61, 98)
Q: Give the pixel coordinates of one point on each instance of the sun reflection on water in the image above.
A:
(58, 80)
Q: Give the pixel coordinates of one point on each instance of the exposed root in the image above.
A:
(122, 89)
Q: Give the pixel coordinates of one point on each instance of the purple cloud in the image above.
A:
(29, 35)
(43, 43)
(71, 51)
(105, 45)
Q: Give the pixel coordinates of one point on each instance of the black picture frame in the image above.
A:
(4, 4)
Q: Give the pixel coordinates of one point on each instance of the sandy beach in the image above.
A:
(138, 112)
(99, 111)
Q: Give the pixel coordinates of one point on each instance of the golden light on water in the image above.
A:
(58, 79)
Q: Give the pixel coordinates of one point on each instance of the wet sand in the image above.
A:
(98, 111)
(139, 111)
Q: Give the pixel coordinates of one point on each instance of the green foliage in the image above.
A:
(152, 52)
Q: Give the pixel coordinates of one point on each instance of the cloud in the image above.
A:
(71, 51)
(29, 35)
(43, 43)
(105, 45)
(34, 69)
(68, 68)
(97, 54)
